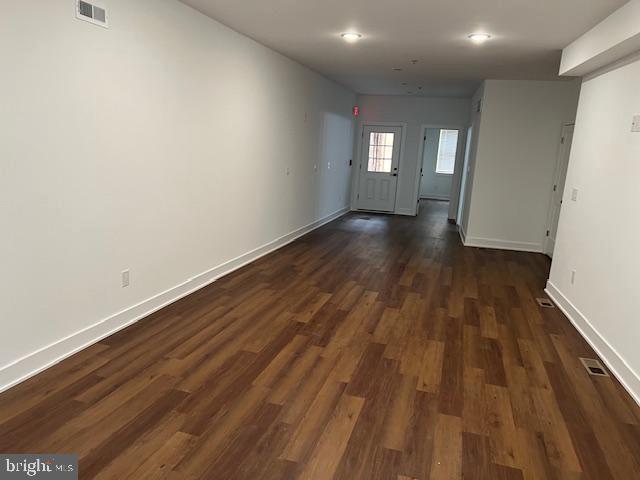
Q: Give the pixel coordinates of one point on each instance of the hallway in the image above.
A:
(376, 347)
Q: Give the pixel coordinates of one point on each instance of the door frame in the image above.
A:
(454, 194)
(556, 172)
(466, 155)
(355, 184)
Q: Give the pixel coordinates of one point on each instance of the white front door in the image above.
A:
(558, 188)
(379, 168)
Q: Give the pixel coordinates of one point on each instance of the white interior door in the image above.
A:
(379, 168)
(558, 188)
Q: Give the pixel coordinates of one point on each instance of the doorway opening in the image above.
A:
(557, 192)
(439, 165)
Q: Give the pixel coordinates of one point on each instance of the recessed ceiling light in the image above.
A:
(351, 36)
(479, 37)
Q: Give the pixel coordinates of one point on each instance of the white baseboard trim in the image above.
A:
(435, 197)
(462, 234)
(629, 379)
(502, 244)
(34, 363)
(405, 211)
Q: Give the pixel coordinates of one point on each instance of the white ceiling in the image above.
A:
(528, 37)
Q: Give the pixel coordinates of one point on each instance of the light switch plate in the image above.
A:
(574, 195)
(635, 125)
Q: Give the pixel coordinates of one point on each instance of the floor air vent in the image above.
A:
(594, 367)
(545, 303)
(92, 13)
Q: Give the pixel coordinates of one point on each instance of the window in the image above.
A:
(380, 152)
(447, 152)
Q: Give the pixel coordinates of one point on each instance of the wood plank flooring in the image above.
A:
(376, 347)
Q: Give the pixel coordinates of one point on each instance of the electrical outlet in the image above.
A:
(328, 165)
(287, 171)
(635, 124)
(125, 278)
(574, 195)
(573, 277)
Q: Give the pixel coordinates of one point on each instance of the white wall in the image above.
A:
(434, 185)
(415, 112)
(598, 234)
(514, 161)
(159, 145)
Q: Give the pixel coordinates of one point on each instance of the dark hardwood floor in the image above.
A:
(376, 347)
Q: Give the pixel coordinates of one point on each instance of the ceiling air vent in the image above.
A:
(89, 12)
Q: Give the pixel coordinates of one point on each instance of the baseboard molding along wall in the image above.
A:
(444, 198)
(462, 234)
(501, 244)
(614, 361)
(405, 211)
(34, 363)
